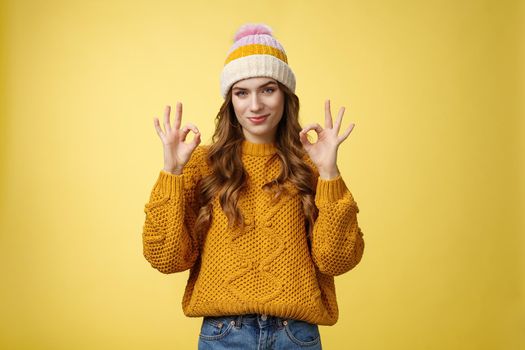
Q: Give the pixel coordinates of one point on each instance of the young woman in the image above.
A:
(261, 217)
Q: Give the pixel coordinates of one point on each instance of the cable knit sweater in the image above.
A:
(270, 268)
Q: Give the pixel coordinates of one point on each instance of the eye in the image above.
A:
(240, 92)
(271, 89)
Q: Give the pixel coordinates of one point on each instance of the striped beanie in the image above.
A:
(255, 53)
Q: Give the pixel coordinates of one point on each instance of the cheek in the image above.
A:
(279, 106)
(279, 102)
(239, 107)
(237, 110)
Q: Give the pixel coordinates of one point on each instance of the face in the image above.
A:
(259, 105)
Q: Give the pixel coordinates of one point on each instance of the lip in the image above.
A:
(259, 119)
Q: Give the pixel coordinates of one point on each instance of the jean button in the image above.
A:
(263, 317)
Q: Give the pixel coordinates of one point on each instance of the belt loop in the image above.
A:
(238, 321)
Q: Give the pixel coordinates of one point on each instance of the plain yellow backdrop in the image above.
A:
(435, 162)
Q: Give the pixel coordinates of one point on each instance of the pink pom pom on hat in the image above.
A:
(251, 29)
(256, 53)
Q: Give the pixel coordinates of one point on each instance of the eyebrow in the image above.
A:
(263, 85)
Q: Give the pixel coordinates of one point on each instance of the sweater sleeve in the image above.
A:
(337, 243)
(169, 243)
(337, 240)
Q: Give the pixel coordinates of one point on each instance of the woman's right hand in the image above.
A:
(176, 152)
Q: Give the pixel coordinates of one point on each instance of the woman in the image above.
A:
(261, 217)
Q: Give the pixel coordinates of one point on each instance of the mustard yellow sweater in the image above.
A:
(269, 269)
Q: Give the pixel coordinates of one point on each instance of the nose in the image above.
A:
(255, 103)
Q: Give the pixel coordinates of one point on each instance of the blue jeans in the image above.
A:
(257, 332)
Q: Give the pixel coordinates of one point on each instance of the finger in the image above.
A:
(184, 132)
(178, 115)
(327, 115)
(157, 127)
(196, 139)
(192, 127)
(186, 129)
(303, 134)
(167, 126)
(339, 119)
(313, 126)
(346, 133)
(304, 139)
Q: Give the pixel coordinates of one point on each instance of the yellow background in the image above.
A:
(435, 162)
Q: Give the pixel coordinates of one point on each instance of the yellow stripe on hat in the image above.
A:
(256, 49)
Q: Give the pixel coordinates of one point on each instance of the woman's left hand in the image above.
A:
(324, 151)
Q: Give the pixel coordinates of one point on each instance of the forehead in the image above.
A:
(253, 83)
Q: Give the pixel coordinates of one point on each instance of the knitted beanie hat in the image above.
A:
(255, 53)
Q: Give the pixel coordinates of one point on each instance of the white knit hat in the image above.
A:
(256, 53)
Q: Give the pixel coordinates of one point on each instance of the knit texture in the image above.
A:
(270, 268)
(256, 53)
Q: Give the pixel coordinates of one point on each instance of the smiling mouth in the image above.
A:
(259, 118)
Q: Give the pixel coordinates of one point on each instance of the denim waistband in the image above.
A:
(260, 320)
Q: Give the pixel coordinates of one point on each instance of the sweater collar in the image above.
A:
(258, 149)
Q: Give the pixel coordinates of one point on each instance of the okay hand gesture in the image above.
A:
(324, 151)
(176, 151)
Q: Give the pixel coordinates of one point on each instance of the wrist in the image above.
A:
(174, 171)
(329, 174)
